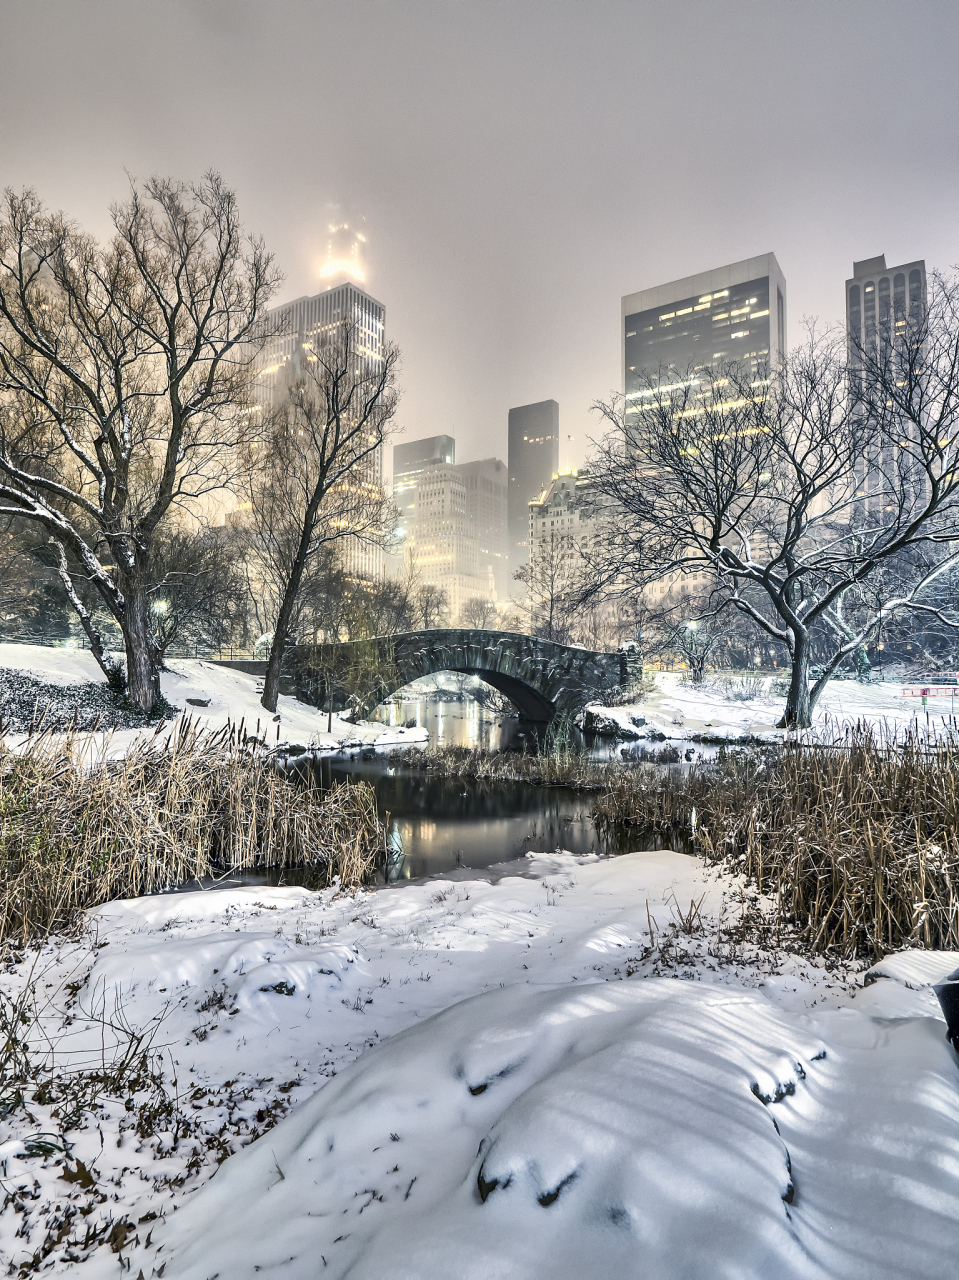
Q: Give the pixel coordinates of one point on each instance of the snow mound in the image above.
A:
(623, 1130)
(915, 969)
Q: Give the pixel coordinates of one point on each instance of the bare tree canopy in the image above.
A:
(195, 588)
(124, 370)
(790, 496)
(479, 613)
(430, 606)
(315, 485)
(552, 578)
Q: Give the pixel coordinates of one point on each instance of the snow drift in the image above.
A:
(647, 1129)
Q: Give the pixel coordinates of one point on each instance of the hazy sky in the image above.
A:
(521, 163)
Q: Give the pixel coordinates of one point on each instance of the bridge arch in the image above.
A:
(542, 678)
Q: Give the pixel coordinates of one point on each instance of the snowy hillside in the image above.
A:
(632, 1087)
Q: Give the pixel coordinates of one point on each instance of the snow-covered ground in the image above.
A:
(226, 695)
(564, 1067)
(591, 1068)
(680, 710)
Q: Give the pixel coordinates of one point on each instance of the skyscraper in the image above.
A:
(486, 485)
(410, 460)
(533, 460)
(303, 324)
(442, 545)
(880, 300)
(737, 313)
(471, 497)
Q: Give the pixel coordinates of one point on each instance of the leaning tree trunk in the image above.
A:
(109, 666)
(281, 635)
(798, 713)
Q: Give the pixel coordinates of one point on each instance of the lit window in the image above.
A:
(684, 312)
(668, 316)
(757, 314)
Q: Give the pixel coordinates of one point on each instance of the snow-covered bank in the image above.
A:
(607, 1104)
(678, 710)
(213, 695)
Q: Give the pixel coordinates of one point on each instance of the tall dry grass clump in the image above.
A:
(857, 838)
(565, 768)
(78, 828)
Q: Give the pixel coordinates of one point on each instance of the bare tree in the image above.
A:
(21, 599)
(553, 588)
(431, 606)
(314, 484)
(758, 484)
(196, 588)
(696, 638)
(479, 612)
(124, 372)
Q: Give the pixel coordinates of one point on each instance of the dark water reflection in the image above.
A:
(439, 824)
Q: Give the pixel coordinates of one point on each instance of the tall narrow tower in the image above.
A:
(532, 461)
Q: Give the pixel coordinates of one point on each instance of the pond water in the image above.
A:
(438, 824)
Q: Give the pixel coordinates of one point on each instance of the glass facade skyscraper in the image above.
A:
(306, 323)
(532, 461)
(733, 313)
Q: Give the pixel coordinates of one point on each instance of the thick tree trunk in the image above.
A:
(798, 713)
(143, 665)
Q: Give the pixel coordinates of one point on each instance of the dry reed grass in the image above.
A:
(78, 828)
(561, 768)
(856, 838)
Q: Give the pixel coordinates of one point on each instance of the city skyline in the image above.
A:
(504, 290)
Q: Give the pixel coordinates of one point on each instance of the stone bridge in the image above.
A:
(540, 677)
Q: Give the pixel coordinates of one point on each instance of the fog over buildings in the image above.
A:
(521, 166)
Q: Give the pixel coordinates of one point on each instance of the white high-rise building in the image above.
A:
(442, 541)
(560, 519)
